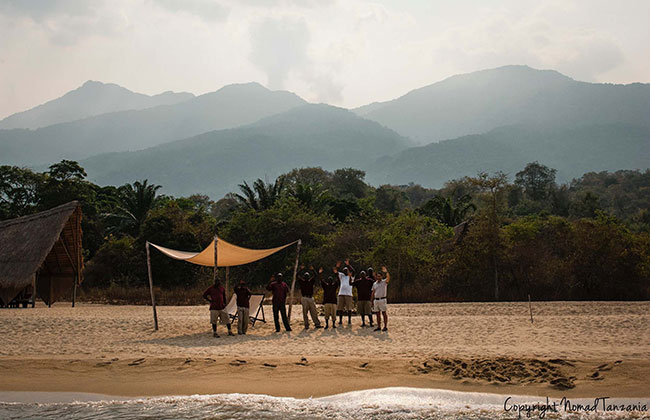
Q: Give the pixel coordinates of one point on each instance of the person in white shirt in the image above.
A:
(378, 297)
(345, 301)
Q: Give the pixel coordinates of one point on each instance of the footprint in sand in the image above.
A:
(604, 368)
(303, 362)
(187, 361)
(424, 369)
(137, 362)
(269, 365)
(100, 364)
(596, 376)
(238, 362)
(363, 365)
(561, 362)
(562, 383)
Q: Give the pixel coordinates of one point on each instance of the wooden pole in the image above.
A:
(153, 298)
(74, 290)
(227, 280)
(293, 282)
(34, 290)
(216, 260)
(530, 308)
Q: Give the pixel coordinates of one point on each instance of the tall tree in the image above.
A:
(262, 195)
(65, 181)
(350, 182)
(312, 196)
(446, 211)
(493, 189)
(20, 190)
(135, 202)
(537, 181)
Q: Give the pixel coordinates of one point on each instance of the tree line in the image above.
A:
(487, 237)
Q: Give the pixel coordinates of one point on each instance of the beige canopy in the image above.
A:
(228, 255)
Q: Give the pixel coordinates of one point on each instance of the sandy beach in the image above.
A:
(579, 349)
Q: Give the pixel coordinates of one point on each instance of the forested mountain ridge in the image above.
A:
(214, 163)
(478, 102)
(230, 106)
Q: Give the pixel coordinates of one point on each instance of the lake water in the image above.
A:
(378, 404)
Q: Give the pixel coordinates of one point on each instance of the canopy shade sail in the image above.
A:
(228, 255)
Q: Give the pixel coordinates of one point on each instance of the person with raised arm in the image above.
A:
(345, 300)
(306, 283)
(330, 287)
(379, 295)
(364, 290)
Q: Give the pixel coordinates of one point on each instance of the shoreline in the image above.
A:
(290, 377)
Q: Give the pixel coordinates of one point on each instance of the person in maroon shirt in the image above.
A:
(280, 291)
(243, 302)
(216, 295)
(330, 289)
(364, 290)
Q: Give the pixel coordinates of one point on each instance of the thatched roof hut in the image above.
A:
(44, 250)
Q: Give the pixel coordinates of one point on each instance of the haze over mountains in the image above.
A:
(497, 119)
(572, 150)
(91, 98)
(228, 107)
(215, 162)
(478, 102)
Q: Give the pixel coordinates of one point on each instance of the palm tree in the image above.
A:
(310, 195)
(261, 196)
(446, 211)
(134, 203)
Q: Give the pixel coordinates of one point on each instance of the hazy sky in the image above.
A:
(344, 52)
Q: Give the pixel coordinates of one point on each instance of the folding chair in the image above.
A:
(256, 305)
(231, 308)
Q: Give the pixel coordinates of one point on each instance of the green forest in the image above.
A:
(482, 238)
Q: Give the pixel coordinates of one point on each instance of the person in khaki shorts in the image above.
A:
(364, 290)
(379, 293)
(330, 287)
(345, 300)
(216, 295)
(243, 302)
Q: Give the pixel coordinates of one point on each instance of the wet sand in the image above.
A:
(573, 348)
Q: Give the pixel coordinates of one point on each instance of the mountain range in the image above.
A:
(497, 119)
(228, 107)
(91, 98)
(572, 150)
(478, 102)
(214, 163)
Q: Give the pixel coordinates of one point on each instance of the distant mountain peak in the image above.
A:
(243, 86)
(90, 99)
(474, 103)
(91, 83)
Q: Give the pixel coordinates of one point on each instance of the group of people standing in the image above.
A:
(337, 298)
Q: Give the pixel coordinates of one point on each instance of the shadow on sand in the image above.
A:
(205, 339)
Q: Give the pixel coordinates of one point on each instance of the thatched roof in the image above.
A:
(46, 245)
